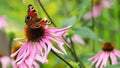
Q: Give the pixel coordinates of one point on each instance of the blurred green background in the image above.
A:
(107, 25)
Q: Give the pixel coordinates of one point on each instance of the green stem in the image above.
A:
(62, 59)
(93, 25)
(75, 55)
(46, 13)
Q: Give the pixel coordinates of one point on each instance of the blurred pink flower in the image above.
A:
(3, 22)
(96, 11)
(108, 53)
(39, 45)
(77, 39)
(5, 61)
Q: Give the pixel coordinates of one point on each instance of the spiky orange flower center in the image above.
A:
(15, 48)
(34, 35)
(108, 46)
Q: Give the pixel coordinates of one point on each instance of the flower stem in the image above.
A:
(75, 55)
(62, 59)
(46, 13)
(93, 25)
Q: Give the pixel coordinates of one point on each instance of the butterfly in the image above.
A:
(32, 19)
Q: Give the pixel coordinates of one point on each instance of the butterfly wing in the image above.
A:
(32, 11)
(32, 19)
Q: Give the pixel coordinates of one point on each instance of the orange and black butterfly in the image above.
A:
(32, 19)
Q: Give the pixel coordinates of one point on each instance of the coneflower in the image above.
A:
(5, 61)
(97, 9)
(39, 44)
(108, 53)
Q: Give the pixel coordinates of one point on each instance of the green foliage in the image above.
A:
(69, 21)
(70, 33)
(113, 66)
(65, 13)
(85, 32)
(11, 35)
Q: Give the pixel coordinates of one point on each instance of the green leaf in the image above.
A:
(69, 21)
(82, 12)
(113, 66)
(85, 32)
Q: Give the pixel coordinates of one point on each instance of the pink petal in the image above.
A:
(36, 65)
(33, 53)
(78, 40)
(61, 38)
(96, 58)
(23, 47)
(113, 58)
(5, 61)
(40, 49)
(3, 22)
(97, 55)
(17, 39)
(58, 30)
(104, 61)
(60, 44)
(19, 50)
(39, 58)
(53, 48)
(116, 52)
(95, 12)
(21, 58)
(101, 57)
(106, 4)
(46, 51)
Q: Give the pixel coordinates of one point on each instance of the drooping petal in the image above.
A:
(40, 59)
(54, 30)
(40, 48)
(116, 52)
(60, 44)
(19, 50)
(96, 59)
(33, 54)
(21, 58)
(36, 65)
(52, 47)
(104, 61)
(98, 54)
(22, 48)
(100, 59)
(17, 39)
(46, 50)
(113, 58)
